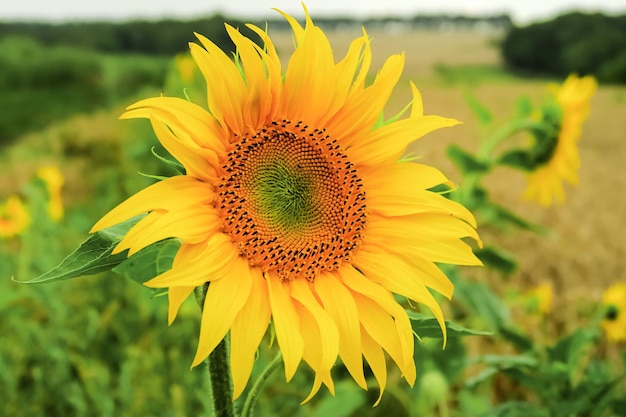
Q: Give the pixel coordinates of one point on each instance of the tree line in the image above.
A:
(592, 44)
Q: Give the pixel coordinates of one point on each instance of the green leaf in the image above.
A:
(150, 261)
(524, 107)
(572, 348)
(518, 409)
(519, 159)
(509, 361)
(481, 301)
(497, 259)
(427, 326)
(466, 162)
(92, 256)
(520, 341)
(347, 399)
(481, 112)
(500, 217)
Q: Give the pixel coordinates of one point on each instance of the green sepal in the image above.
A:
(497, 259)
(149, 262)
(466, 162)
(428, 326)
(93, 255)
(177, 166)
(482, 113)
(519, 159)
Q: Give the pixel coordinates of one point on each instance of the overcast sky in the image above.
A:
(63, 10)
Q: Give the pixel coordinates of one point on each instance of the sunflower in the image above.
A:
(296, 210)
(53, 178)
(614, 321)
(540, 298)
(14, 217)
(555, 154)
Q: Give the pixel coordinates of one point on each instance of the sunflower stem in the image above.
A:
(248, 406)
(220, 381)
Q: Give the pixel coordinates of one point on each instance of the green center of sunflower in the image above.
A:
(285, 195)
(291, 200)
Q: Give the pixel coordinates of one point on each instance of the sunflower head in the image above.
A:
(14, 217)
(53, 179)
(540, 298)
(614, 320)
(295, 208)
(554, 155)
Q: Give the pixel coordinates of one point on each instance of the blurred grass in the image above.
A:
(40, 85)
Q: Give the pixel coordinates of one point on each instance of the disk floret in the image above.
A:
(291, 200)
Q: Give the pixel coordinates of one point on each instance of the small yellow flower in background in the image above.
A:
(53, 178)
(14, 217)
(614, 321)
(557, 156)
(295, 209)
(541, 297)
(186, 67)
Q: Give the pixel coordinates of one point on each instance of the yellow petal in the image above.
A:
(176, 296)
(171, 194)
(313, 344)
(214, 263)
(401, 177)
(417, 108)
(198, 162)
(226, 90)
(379, 324)
(192, 224)
(272, 68)
(224, 299)
(305, 80)
(286, 323)
(408, 229)
(391, 202)
(358, 283)
(388, 143)
(256, 110)
(187, 116)
(400, 278)
(363, 107)
(247, 332)
(322, 358)
(340, 305)
(375, 357)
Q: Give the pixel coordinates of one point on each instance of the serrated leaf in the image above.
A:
(92, 256)
(427, 326)
(150, 261)
(497, 259)
(466, 162)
